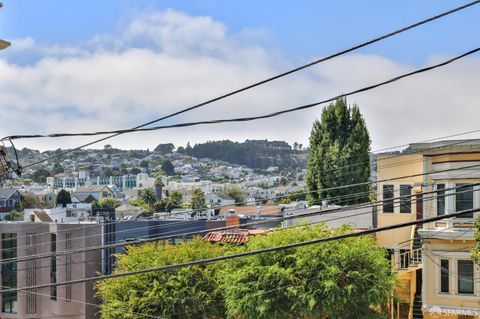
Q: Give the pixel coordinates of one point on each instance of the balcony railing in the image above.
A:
(411, 258)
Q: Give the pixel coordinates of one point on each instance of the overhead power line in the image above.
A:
(303, 215)
(307, 65)
(240, 119)
(252, 118)
(330, 170)
(252, 252)
(278, 76)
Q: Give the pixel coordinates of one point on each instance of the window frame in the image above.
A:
(388, 201)
(462, 194)
(405, 203)
(471, 281)
(445, 275)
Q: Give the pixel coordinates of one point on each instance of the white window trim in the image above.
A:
(453, 258)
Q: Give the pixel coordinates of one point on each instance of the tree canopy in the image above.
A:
(40, 175)
(167, 168)
(236, 193)
(164, 148)
(197, 200)
(107, 203)
(252, 153)
(148, 196)
(63, 198)
(349, 278)
(57, 168)
(339, 154)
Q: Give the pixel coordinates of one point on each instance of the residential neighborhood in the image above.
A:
(239, 160)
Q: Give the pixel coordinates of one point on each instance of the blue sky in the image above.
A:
(301, 29)
(78, 65)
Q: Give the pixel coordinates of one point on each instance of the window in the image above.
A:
(440, 199)
(444, 275)
(68, 267)
(465, 276)
(464, 199)
(9, 272)
(31, 297)
(388, 198)
(405, 202)
(53, 266)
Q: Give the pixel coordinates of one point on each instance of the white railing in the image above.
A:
(410, 258)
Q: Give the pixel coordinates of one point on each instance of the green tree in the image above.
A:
(57, 168)
(107, 172)
(236, 193)
(476, 247)
(140, 203)
(168, 168)
(40, 175)
(28, 200)
(187, 293)
(349, 278)
(63, 198)
(177, 198)
(164, 148)
(197, 200)
(13, 214)
(109, 203)
(144, 164)
(164, 205)
(339, 154)
(135, 171)
(296, 196)
(148, 196)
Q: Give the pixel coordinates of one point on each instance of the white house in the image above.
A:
(218, 199)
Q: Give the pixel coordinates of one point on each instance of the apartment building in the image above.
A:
(437, 276)
(75, 301)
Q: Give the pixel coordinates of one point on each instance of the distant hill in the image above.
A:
(252, 153)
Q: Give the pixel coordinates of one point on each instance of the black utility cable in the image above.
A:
(241, 119)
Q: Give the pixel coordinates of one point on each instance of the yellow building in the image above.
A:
(436, 274)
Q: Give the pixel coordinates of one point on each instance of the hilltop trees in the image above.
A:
(339, 154)
(164, 148)
(40, 175)
(348, 278)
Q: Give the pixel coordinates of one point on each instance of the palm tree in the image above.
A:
(148, 196)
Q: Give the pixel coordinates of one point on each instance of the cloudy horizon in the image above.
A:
(161, 61)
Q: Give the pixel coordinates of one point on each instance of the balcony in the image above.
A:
(409, 260)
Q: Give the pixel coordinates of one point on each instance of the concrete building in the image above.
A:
(20, 239)
(437, 276)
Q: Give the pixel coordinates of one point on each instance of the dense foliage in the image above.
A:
(349, 278)
(339, 154)
(164, 148)
(252, 153)
(167, 168)
(476, 247)
(197, 200)
(237, 194)
(63, 198)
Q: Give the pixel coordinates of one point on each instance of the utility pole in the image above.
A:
(3, 44)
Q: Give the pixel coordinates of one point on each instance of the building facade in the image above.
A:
(433, 261)
(76, 301)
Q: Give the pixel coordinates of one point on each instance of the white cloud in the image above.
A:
(165, 61)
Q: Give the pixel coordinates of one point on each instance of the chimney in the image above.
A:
(232, 219)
